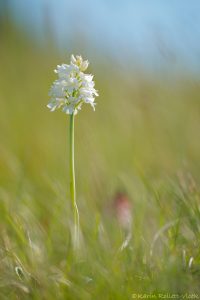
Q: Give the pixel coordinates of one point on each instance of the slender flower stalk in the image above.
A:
(72, 88)
(73, 182)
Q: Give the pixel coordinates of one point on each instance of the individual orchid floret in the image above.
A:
(73, 87)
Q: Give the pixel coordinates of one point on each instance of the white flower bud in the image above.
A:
(84, 65)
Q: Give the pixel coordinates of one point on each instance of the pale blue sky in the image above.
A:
(154, 31)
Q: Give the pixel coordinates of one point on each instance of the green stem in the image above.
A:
(72, 183)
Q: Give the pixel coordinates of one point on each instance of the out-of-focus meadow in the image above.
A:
(143, 140)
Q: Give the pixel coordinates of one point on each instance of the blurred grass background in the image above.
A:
(143, 139)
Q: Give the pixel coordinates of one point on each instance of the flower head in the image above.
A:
(73, 87)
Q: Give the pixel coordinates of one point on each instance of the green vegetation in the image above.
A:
(142, 139)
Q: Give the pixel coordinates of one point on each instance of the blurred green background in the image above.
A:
(143, 139)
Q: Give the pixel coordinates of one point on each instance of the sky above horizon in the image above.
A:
(157, 32)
